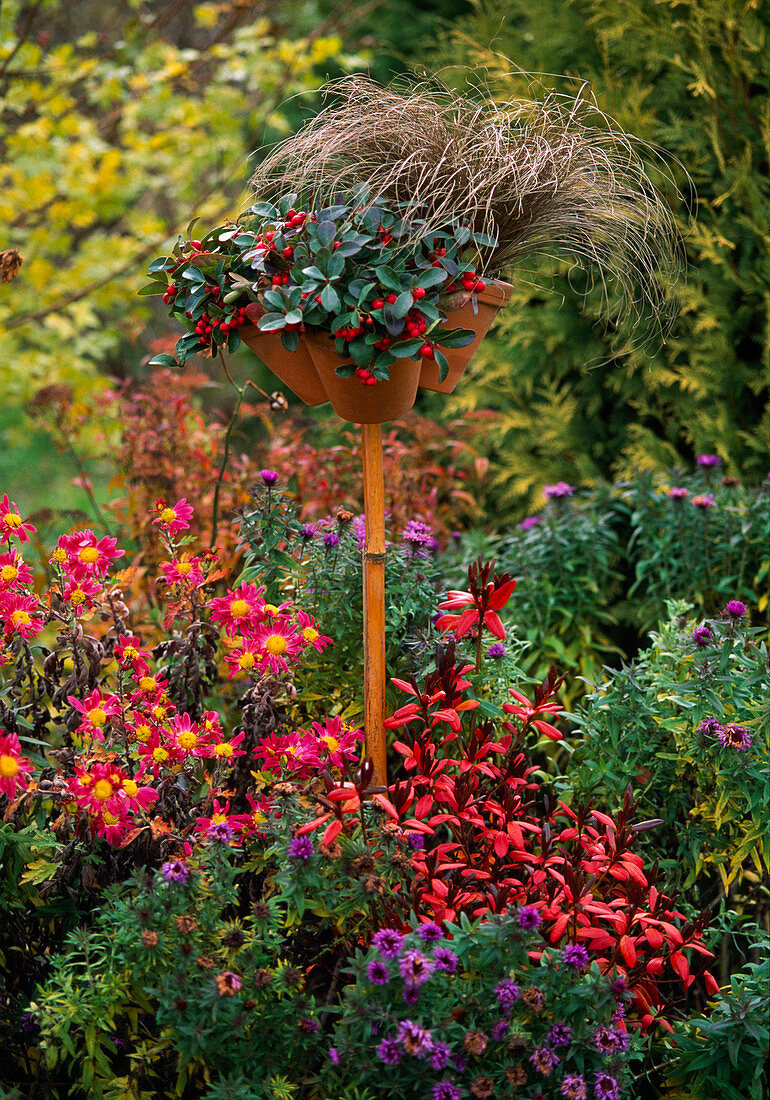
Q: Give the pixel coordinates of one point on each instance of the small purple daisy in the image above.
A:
(175, 871)
(389, 1052)
(735, 610)
(528, 917)
(735, 737)
(416, 841)
(445, 1090)
(334, 1056)
(499, 1030)
(301, 847)
(507, 993)
(415, 967)
(560, 1035)
(269, 477)
(331, 538)
(528, 523)
(439, 1055)
(413, 1038)
(676, 492)
(573, 1087)
(220, 831)
(575, 955)
(557, 491)
(704, 502)
(544, 1060)
(606, 1087)
(445, 959)
(430, 932)
(387, 942)
(496, 650)
(709, 461)
(702, 636)
(378, 972)
(307, 532)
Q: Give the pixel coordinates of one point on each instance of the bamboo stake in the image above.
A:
(374, 601)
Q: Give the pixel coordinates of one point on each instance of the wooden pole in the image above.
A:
(374, 601)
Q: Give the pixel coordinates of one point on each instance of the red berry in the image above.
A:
(391, 298)
(418, 292)
(378, 303)
(426, 351)
(288, 252)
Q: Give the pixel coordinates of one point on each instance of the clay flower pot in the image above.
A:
(295, 368)
(490, 301)
(354, 401)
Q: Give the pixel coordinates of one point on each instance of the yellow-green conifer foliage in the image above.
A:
(112, 140)
(692, 77)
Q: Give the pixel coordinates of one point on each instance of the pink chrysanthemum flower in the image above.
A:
(15, 769)
(157, 753)
(220, 815)
(297, 752)
(173, 518)
(113, 824)
(279, 643)
(184, 570)
(87, 556)
(211, 726)
(188, 737)
(20, 615)
(310, 633)
(97, 710)
(337, 740)
(81, 594)
(150, 688)
(261, 810)
(137, 797)
(228, 750)
(14, 571)
(245, 659)
(240, 611)
(97, 787)
(11, 523)
(129, 654)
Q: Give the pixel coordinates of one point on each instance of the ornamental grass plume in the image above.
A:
(548, 177)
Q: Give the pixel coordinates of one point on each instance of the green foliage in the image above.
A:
(655, 725)
(692, 78)
(724, 1055)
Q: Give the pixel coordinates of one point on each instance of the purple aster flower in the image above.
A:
(331, 538)
(175, 871)
(387, 942)
(439, 1055)
(415, 967)
(608, 1040)
(507, 993)
(606, 1087)
(618, 1015)
(430, 932)
(309, 1025)
(704, 502)
(709, 461)
(560, 1035)
(702, 636)
(528, 523)
(416, 841)
(411, 994)
(445, 1090)
(573, 1087)
(459, 1061)
(445, 959)
(528, 917)
(734, 610)
(735, 737)
(496, 650)
(29, 1023)
(389, 1052)
(544, 1060)
(709, 727)
(378, 972)
(413, 1038)
(575, 955)
(676, 492)
(619, 987)
(557, 491)
(269, 477)
(307, 532)
(221, 831)
(301, 847)
(334, 1056)
(499, 1030)
(417, 534)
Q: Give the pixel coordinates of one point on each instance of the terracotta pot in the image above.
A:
(295, 368)
(354, 401)
(490, 302)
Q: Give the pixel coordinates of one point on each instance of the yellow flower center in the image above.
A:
(331, 742)
(12, 519)
(9, 766)
(59, 554)
(239, 609)
(159, 755)
(187, 740)
(86, 780)
(225, 749)
(168, 515)
(276, 645)
(271, 610)
(143, 733)
(8, 573)
(108, 818)
(309, 634)
(184, 567)
(77, 597)
(129, 653)
(96, 716)
(20, 618)
(217, 818)
(103, 790)
(246, 661)
(130, 787)
(159, 713)
(88, 554)
(148, 683)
